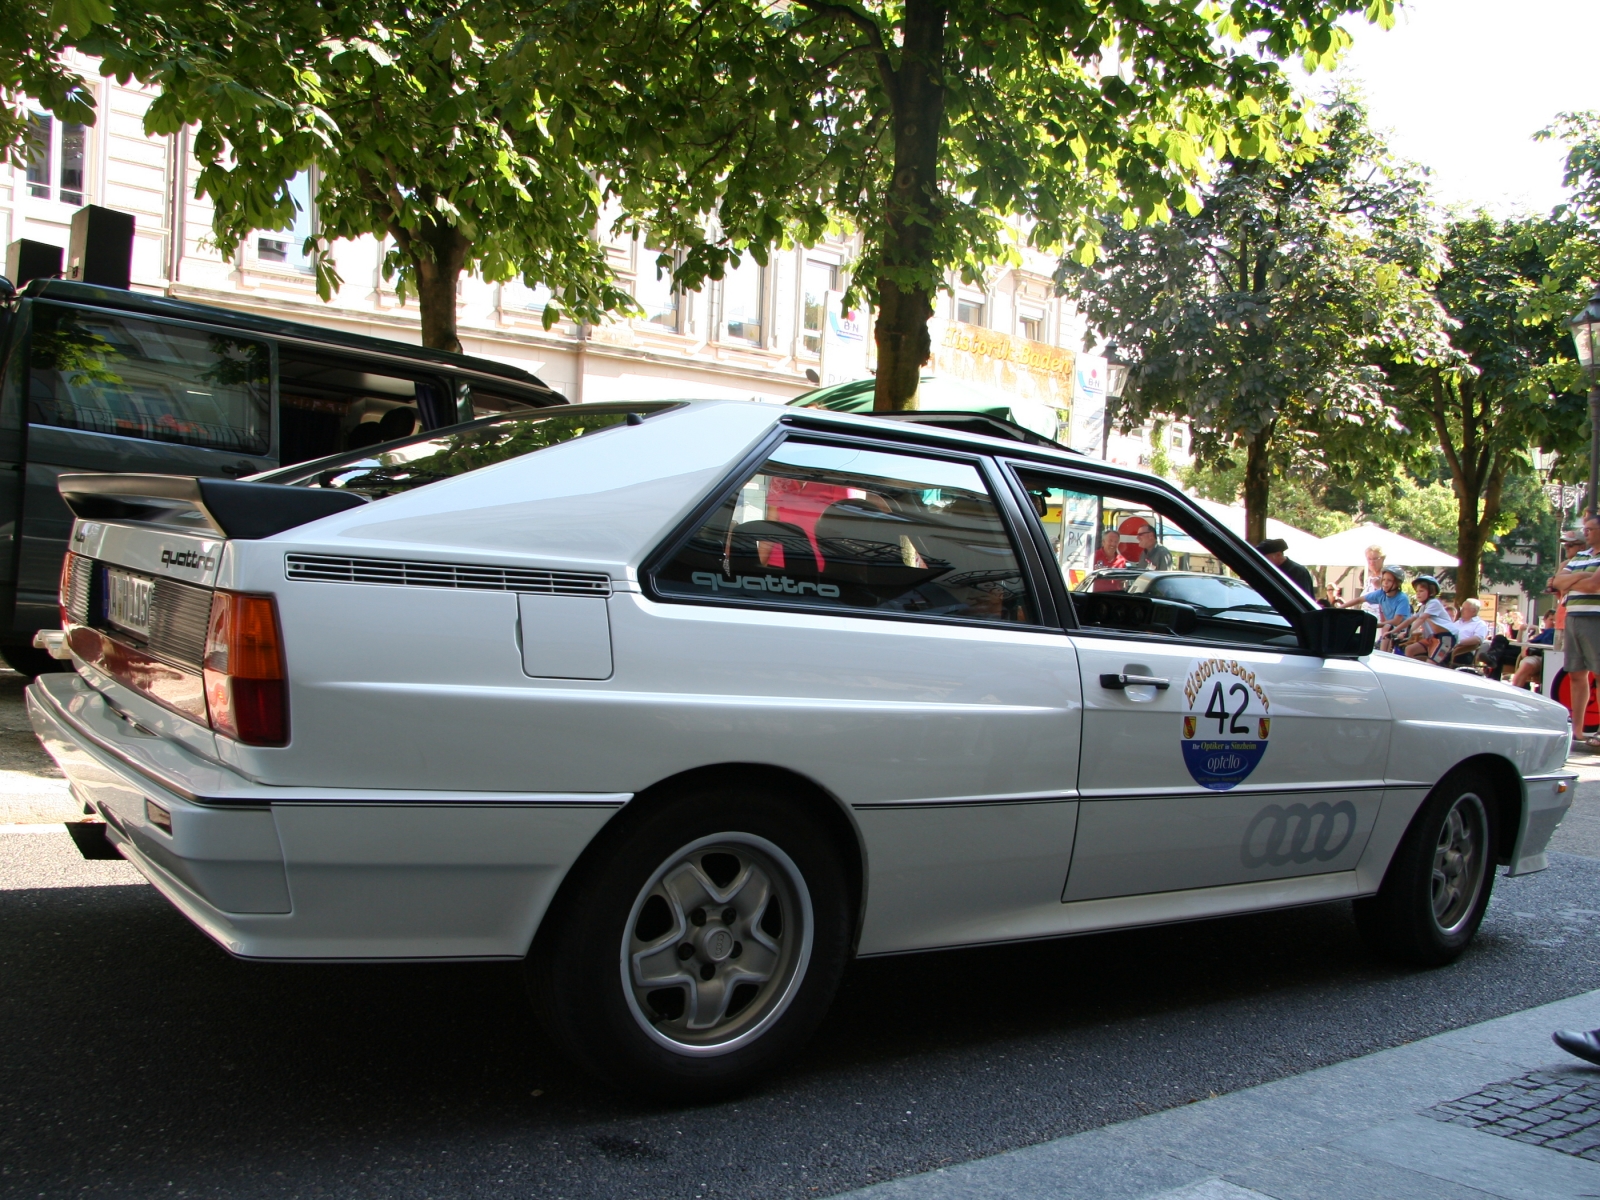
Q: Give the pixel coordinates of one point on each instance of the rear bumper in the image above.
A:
(325, 874)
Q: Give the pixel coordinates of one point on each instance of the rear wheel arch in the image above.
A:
(790, 785)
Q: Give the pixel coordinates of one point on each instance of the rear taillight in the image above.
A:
(64, 595)
(246, 693)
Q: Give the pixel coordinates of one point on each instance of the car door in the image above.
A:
(857, 613)
(1216, 751)
(109, 391)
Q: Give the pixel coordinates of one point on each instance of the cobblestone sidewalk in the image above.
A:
(1557, 1110)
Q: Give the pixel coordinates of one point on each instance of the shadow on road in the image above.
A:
(137, 1053)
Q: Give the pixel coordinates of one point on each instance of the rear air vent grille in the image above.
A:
(78, 589)
(179, 615)
(326, 568)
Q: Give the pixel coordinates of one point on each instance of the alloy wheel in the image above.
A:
(1459, 861)
(716, 944)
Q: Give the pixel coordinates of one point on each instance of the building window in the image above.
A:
(653, 289)
(1175, 438)
(287, 247)
(58, 154)
(743, 289)
(820, 279)
(1033, 328)
(969, 312)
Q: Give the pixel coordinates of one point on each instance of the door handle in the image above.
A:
(1117, 682)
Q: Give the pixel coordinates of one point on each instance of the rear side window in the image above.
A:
(856, 530)
(109, 373)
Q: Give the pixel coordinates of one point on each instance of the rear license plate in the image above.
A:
(128, 602)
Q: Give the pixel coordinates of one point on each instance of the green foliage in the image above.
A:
(450, 128)
(1530, 526)
(32, 38)
(1296, 499)
(1508, 394)
(1277, 304)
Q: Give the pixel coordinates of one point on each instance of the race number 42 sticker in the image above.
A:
(1227, 717)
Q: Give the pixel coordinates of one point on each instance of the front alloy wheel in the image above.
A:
(1460, 858)
(1437, 886)
(717, 941)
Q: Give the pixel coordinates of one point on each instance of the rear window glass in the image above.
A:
(108, 373)
(389, 470)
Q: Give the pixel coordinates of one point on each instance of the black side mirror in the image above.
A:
(1337, 632)
(8, 290)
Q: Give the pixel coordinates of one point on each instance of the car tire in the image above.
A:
(31, 661)
(697, 945)
(1437, 887)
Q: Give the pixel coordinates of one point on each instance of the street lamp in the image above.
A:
(1586, 337)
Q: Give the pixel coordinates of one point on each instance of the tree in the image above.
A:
(446, 126)
(32, 40)
(1507, 394)
(944, 130)
(1266, 315)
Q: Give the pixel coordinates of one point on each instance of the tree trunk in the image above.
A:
(911, 214)
(437, 257)
(1472, 531)
(1257, 485)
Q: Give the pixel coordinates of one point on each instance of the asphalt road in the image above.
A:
(138, 1059)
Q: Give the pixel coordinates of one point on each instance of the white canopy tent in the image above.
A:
(1349, 549)
(1231, 517)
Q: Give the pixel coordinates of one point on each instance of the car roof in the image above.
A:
(608, 498)
(145, 304)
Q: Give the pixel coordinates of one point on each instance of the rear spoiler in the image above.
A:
(198, 504)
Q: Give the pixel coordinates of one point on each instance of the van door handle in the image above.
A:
(1117, 682)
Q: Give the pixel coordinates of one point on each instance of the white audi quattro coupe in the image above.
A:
(683, 705)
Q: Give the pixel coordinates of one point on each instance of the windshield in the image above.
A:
(409, 463)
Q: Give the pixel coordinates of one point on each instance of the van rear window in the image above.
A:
(108, 373)
(403, 466)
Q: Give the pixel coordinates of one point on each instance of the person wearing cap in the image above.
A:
(1433, 633)
(1387, 602)
(1578, 584)
(1276, 551)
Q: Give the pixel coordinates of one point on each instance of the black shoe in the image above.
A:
(1579, 1044)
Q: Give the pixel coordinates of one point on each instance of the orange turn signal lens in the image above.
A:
(247, 696)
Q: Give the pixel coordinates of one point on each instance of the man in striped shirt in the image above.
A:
(1579, 581)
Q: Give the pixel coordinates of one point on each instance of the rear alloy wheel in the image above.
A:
(1437, 887)
(697, 945)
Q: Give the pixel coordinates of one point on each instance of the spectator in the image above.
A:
(1373, 581)
(1388, 603)
(1432, 634)
(1153, 556)
(1530, 666)
(1108, 557)
(1578, 583)
(1109, 553)
(1276, 551)
(1472, 631)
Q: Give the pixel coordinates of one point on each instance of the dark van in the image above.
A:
(99, 379)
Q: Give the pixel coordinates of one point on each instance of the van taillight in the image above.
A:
(247, 696)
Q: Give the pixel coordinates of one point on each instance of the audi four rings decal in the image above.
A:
(1227, 717)
(1298, 833)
